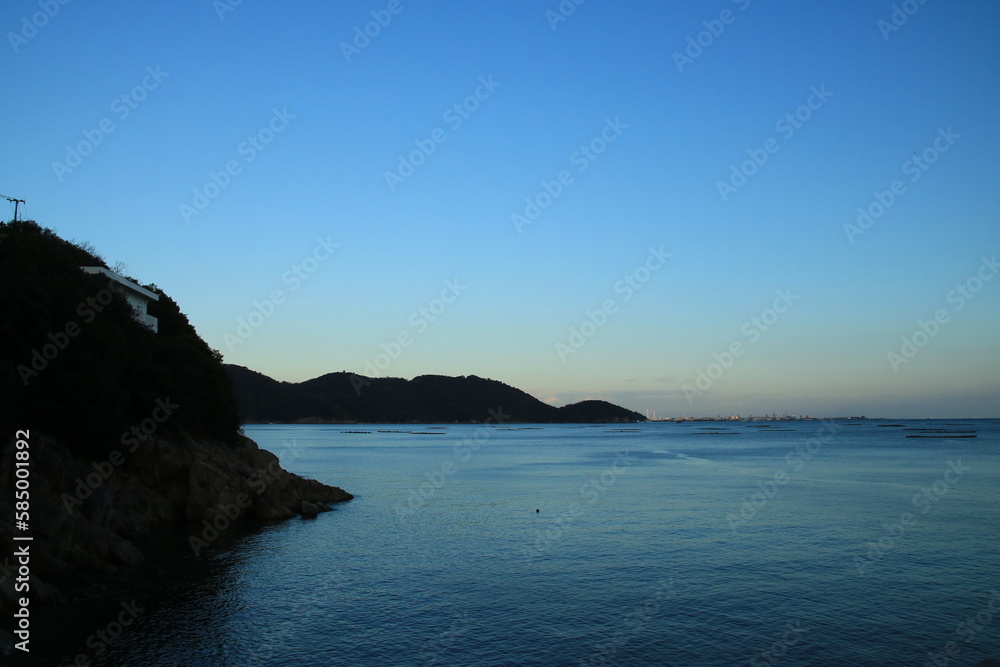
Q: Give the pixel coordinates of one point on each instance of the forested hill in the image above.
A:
(78, 364)
(125, 430)
(346, 397)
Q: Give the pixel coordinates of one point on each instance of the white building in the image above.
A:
(138, 297)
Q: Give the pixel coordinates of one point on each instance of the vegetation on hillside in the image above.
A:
(80, 367)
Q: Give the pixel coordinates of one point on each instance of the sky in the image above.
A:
(727, 207)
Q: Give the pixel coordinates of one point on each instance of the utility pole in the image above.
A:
(16, 202)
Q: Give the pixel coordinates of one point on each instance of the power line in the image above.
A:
(15, 202)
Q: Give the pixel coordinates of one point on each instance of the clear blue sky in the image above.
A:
(326, 128)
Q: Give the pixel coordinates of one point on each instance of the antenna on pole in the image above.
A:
(16, 202)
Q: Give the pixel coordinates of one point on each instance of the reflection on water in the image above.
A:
(640, 565)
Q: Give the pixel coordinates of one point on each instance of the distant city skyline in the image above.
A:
(709, 209)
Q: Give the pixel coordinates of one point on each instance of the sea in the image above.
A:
(839, 542)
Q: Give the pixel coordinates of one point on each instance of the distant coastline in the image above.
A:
(348, 398)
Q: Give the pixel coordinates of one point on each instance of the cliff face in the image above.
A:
(86, 516)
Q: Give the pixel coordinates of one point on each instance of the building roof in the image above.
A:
(142, 291)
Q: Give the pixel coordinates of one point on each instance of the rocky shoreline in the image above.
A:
(87, 516)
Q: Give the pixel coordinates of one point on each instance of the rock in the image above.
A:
(45, 592)
(99, 507)
(82, 528)
(125, 552)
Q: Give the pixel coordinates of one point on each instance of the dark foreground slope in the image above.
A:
(126, 429)
(349, 398)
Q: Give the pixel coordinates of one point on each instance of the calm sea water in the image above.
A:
(657, 544)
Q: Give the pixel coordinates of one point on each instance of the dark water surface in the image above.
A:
(650, 548)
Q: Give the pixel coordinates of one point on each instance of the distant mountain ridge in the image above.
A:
(350, 398)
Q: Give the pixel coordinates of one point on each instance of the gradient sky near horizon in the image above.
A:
(927, 90)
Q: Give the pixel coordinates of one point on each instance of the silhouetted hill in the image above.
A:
(346, 397)
(127, 429)
(78, 364)
(589, 412)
